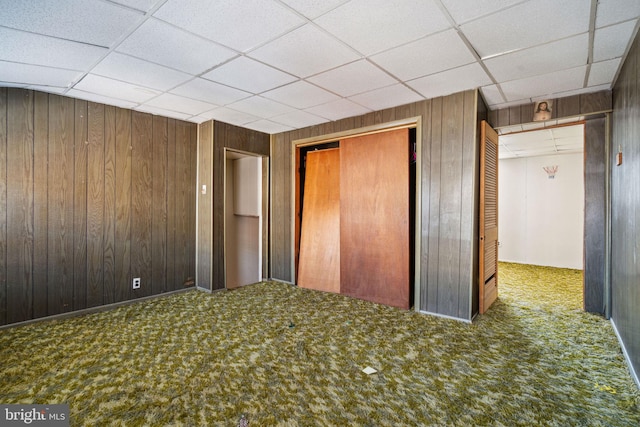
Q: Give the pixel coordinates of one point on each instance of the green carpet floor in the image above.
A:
(285, 356)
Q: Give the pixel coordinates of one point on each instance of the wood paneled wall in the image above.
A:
(214, 138)
(90, 197)
(448, 211)
(625, 207)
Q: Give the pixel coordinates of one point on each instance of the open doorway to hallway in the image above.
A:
(541, 202)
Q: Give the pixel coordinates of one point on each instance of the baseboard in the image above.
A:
(91, 310)
(632, 371)
(444, 316)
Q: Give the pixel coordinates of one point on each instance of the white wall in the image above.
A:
(541, 220)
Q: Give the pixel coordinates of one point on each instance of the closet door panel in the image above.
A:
(374, 217)
(319, 265)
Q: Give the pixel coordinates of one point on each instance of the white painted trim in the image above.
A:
(632, 371)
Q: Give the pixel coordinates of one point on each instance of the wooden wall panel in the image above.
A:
(109, 237)
(159, 206)
(80, 206)
(20, 205)
(123, 206)
(95, 205)
(205, 205)
(141, 197)
(3, 205)
(77, 228)
(625, 207)
(191, 191)
(60, 204)
(446, 133)
(40, 203)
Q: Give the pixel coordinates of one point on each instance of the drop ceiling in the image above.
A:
(543, 142)
(277, 65)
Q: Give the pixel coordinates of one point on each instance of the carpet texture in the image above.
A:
(280, 355)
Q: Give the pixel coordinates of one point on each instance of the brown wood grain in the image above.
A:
(81, 141)
(319, 264)
(159, 206)
(40, 203)
(433, 223)
(3, 205)
(374, 217)
(172, 284)
(122, 247)
(183, 158)
(205, 202)
(95, 205)
(109, 238)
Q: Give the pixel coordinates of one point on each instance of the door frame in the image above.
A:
(411, 122)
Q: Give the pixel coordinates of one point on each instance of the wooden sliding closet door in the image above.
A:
(374, 217)
(319, 262)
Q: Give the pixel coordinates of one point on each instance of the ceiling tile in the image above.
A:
(491, 95)
(461, 12)
(115, 89)
(49, 51)
(23, 74)
(611, 42)
(300, 95)
(298, 119)
(408, 62)
(268, 126)
(395, 23)
(448, 82)
(166, 45)
(142, 5)
(313, 8)
(305, 51)
(339, 109)
(162, 112)
(614, 11)
(354, 78)
(241, 25)
(567, 53)
(603, 72)
(208, 91)
(49, 89)
(142, 73)
(390, 96)
(172, 102)
(96, 22)
(227, 115)
(571, 92)
(249, 75)
(545, 84)
(527, 24)
(87, 96)
(260, 107)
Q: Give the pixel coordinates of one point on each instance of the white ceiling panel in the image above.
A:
(50, 89)
(49, 51)
(241, 25)
(146, 108)
(228, 115)
(491, 95)
(115, 89)
(87, 96)
(89, 21)
(410, 61)
(448, 82)
(338, 109)
(386, 97)
(267, 126)
(543, 142)
(261, 107)
(614, 11)
(394, 23)
(249, 75)
(567, 53)
(141, 5)
(305, 51)
(26, 75)
(142, 73)
(354, 78)
(527, 24)
(208, 91)
(313, 8)
(166, 45)
(606, 43)
(603, 72)
(462, 11)
(300, 95)
(298, 119)
(544, 85)
(169, 101)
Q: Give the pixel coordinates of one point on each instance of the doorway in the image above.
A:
(243, 219)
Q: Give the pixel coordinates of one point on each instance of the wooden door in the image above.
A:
(488, 263)
(374, 217)
(319, 261)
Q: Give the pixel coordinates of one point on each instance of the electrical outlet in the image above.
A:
(136, 283)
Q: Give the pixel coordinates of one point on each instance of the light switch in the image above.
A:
(204, 189)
